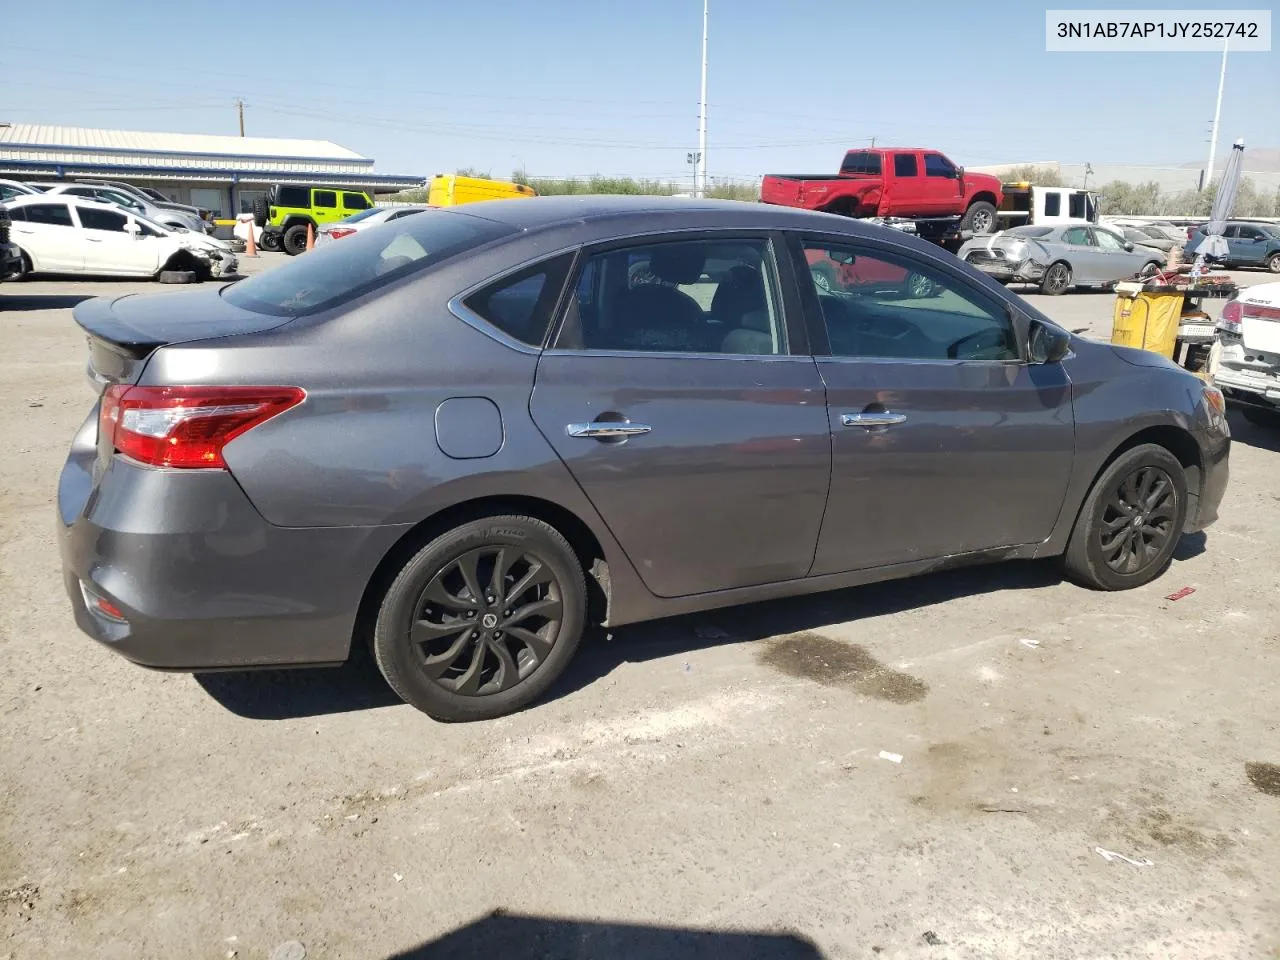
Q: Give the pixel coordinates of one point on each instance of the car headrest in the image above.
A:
(679, 263)
(757, 320)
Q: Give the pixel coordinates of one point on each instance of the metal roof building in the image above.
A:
(220, 173)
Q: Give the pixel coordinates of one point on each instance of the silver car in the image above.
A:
(363, 220)
(1060, 257)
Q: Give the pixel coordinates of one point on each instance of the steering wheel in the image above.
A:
(990, 341)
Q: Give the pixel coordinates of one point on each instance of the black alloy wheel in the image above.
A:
(1137, 520)
(1131, 521)
(481, 620)
(487, 620)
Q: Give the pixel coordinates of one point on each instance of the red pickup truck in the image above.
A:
(905, 182)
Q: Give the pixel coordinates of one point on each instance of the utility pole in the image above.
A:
(700, 171)
(873, 143)
(1217, 115)
(240, 108)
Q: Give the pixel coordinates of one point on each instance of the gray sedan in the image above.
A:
(465, 437)
(1060, 257)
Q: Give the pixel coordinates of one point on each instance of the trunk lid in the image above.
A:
(123, 332)
(1260, 327)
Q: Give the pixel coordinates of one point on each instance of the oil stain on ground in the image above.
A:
(1265, 777)
(811, 656)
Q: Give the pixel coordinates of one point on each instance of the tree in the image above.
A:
(1034, 174)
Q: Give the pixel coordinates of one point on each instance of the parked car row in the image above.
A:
(60, 231)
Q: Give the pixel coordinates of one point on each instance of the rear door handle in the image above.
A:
(607, 429)
(882, 419)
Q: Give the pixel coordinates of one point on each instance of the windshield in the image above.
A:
(333, 274)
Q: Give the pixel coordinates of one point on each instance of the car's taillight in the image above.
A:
(187, 426)
(337, 233)
(1229, 322)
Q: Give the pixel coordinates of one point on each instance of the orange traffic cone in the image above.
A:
(311, 237)
(250, 248)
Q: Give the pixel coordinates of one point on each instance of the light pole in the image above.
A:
(700, 169)
(1217, 115)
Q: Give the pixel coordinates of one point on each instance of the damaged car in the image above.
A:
(1244, 362)
(1058, 258)
(63, 234)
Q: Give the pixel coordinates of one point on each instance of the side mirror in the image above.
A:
(131, 227)
(959, 173)
(1128, 246)
(1048, 344)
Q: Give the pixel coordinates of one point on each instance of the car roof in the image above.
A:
(27, 199)
(537, 213)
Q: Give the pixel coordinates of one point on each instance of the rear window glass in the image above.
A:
(520, 305)
(362, 215)
(861, 162)
(338, 272)
(1029, 232)
(292, 197)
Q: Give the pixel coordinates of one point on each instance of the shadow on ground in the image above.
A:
(357, 684)
(42, 301)
(1264, 437)
(514, 937)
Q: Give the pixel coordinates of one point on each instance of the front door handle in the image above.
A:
(882, 418)
(607, 429)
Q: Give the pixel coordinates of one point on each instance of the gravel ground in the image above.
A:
(678, 796)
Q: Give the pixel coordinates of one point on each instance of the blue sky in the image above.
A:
(574, 87)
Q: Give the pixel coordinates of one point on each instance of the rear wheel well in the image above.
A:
(584, 543)
(844, 207)
(296, 221)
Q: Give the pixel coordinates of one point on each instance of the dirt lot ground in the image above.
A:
(678, 796)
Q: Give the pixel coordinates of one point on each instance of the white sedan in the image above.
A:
(363, 220)
(66, 234)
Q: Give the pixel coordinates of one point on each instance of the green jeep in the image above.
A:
(290, 207)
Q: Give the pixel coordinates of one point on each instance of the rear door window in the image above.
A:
(52, 214)
(1077, 237)
(521, 304)
(905, 165)
(326, 198)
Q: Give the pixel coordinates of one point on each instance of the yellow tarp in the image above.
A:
(1148, 321)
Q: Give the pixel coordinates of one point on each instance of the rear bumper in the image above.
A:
(202, 581)
(1025, 270)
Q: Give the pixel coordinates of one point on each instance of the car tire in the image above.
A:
(260, 211)
(1109, 547)
(473, 657)
(177, 276)
(295, 239)
(1149, 270)
(980, 217)
(24, 268)
(1273, 263)
(1056, 280)
(920, 287)
(1262, 418)
(270, 241)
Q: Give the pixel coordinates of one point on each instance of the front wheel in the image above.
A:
(1130, 522)
(1056, 280)
(483, 619)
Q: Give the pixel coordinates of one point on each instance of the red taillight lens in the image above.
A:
(187, 426)
(337, 233)
(1229, 322)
